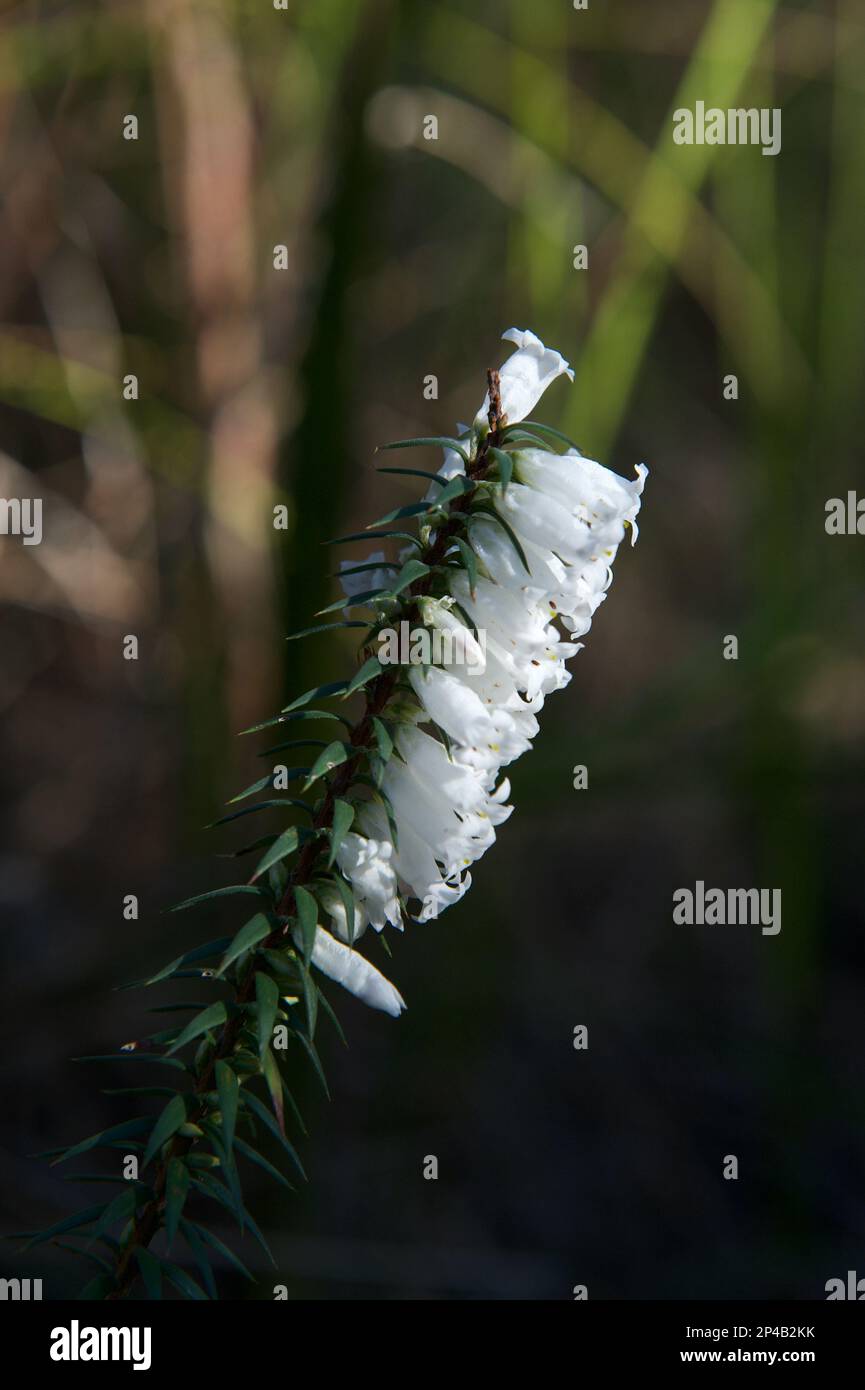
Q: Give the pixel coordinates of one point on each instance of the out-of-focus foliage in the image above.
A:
(405, 258)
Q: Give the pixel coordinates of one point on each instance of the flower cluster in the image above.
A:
(534, 540)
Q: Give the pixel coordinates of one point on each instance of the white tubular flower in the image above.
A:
(525, 376)
(591, 493)
(367, 865)
(354, 972)
(509, 570)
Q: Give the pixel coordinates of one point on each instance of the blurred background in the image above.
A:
(405, 257)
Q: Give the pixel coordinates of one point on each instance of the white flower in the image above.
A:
(525, 376)
(354, 972)
(367, 865)
(498, 653)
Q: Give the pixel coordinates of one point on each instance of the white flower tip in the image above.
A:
(526, 375)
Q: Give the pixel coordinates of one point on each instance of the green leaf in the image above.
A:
(256, 929)
(366, 568)
(183, 1283)
(306, 908)
(522, 436)
(120, 1208)
(326, 627)
(281, 802)
(366, 599)
(143, 1056)
(318, 692)
(547, 429)
(325, 1004)
(176, 1189)
(210, 948)
(297, 714)
(368, 671)
(267, 998)
(69, 1223)
(201, 1257)
(151, 1272)
(411, 571)
(376, 535)
(470, 561)
(274, 1086)
(263, 1114)
(98, 1289)
(90, 1255)
(212, 1017)
(285, 845)
(167, 1125)
(286, 774)
(415, 473)
(244, 888)
(343, 817)
(208, 1238)
(103, 1139)
(506, 466)
(293, 743)
(309, 1048)
(436, 441)
(228, 1090)
(457, 487)
(383, 740)
(332, 756)
(310, 999)
(347, 897)
(490, 514)
(402, 513)
(264, 1164)
(209, 1186)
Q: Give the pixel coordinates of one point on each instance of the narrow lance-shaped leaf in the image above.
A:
(329, 758)
(167, 1125)
(307, 916)
(228, 1091)
(176, 1189)
(285, 845)
(436, 441)
(256, 929)
(267, 998)
(212, 1017)
(343, 816)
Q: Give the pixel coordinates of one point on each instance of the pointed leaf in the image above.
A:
(343, 816)
(167, 1125)
(267, 998)
(332, 756)
(437, 441)
(262, 1113)
(212, 1017)
(176, 1189)
(151, 1272)
(245, 888)
(228, 1089)
(324, 627)
(368, 671)
(285, 845)
(256, 929)
(411, 571)
(306, 908)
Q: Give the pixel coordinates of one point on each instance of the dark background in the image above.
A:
(408, 257)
